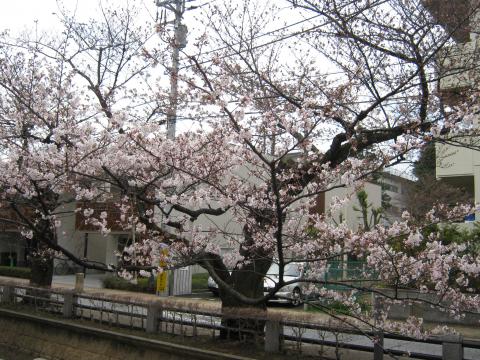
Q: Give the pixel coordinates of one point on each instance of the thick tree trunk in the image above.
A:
(41, 271)
(242, 321)
(41, 260)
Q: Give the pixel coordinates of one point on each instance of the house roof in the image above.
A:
(400, 176)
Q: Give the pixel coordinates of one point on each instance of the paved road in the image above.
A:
(406, 346)
(94, 281)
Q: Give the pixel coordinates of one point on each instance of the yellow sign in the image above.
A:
(162, 278)
(163, 257)
(162, 281)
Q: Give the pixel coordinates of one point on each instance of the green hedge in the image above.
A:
(19, 272)
(118, 283)
(199, 282)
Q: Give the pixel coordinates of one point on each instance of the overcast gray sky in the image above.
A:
(19, 15)
(22, 14)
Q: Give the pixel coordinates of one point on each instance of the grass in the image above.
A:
(142, 285)
(18, 272)
(199, 283)
(339, 308)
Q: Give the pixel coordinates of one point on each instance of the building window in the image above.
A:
(123, 241)
(390, 187)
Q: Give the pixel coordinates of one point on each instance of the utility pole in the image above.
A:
(179, 42)
(134, 231)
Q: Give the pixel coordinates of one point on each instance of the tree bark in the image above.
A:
(242, 321)
(41, 260)
(41, 271)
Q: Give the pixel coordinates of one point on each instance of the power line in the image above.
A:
(201, 117)
(257, 46)
(281, 39)
(259, 36)
(274, 41)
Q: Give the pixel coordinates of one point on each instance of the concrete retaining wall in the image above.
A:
(59, 340)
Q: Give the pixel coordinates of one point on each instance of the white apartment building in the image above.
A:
(395, 185)
(460, 166)
(232, 228)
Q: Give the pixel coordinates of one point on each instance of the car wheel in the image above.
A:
(297, 298)
(214, 292)
(62, 268)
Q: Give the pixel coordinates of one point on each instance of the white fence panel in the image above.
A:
(182, 281)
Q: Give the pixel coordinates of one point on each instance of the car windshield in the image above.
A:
(291, 269)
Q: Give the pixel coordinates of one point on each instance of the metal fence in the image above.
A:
(340, 270)
(189, 320)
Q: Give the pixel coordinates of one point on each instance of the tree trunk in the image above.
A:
(41, 260)
(242, 321)
(41, 271)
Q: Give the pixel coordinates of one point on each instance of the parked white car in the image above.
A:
(290, 294)
(212, 286)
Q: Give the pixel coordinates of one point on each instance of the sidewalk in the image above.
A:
(94, 281)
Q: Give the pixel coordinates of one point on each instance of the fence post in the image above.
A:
(79, 282)
(377, 305)
(8, 294)
(378, 346)
(154, 314)
(377, 308)
(273, 333)
(68, 303)
(452, 347)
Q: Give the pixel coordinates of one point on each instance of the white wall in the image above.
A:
(347, 212)
(227, 224)
(100, 248)
(460, 62)
(455, 161)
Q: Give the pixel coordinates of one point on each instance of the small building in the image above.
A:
(13, 246)
(459, 77)
(228, 229)
(395, 187)
(85, 240)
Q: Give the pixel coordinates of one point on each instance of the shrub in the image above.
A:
(337, 307)
(200, 281)
(142, 285)
(18, 272)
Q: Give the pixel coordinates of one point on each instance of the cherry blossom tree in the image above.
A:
(278, 133)
(60, 106)
(284, 118)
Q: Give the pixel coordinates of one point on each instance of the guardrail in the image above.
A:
(189, 320)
